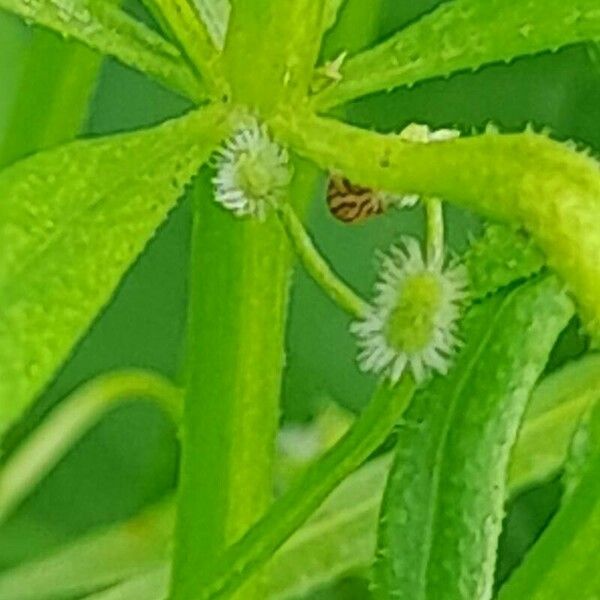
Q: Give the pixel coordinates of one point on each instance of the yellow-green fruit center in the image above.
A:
(411, 323)
(254, 177)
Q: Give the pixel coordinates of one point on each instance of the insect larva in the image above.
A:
(352, 203)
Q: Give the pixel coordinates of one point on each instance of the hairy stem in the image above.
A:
(237, 305)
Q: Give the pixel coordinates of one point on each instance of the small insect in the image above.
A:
(352, 203)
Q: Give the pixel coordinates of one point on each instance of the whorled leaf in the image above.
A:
(70, 421)
(68, 78)
(338, 539)
(525, 179)
(461, 35)
(184, 21)
(563, 563)
(215, 14)
(340, 536)
(103, 26)
(97, 560)
(584, 444)
(500, 257)
(443, 506)
(331, 10)
(72, 221)
(555, 411)
(151, 585)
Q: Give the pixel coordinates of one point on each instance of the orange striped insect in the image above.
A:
(352, 203)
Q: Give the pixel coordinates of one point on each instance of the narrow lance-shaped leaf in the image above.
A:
(460, 35)
(338, 539)
(96, 560)
(341, 535)
(585, 442)
(331, 10)
(70, 421)
(182, 20)
(72, 221)
(331, 542)
(443, 507)
(500, 257)
(525, 179)
(564, 561)
(556, 408)
(68, 78)
(103, 26)
(215, 15)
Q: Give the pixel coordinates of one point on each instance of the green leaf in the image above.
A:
(443, 506)
(71, 420)
(500, 257)
(594, 52)
(338, 539)
(72, 221)
(331, 10)
(554, 412)
(95, 561)
(215, 14)
(152, 585)
(105, 27)
(549, 189)
(584, 444)
(461, 35)
(564, 561)
(295, 506)
(184, 21)
(67, 78)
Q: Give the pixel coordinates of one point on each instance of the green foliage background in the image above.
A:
(130, 458)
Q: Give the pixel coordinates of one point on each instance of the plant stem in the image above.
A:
(237, 306)
(69, 421)
(317, 267)
(435, 232)
(312, 487)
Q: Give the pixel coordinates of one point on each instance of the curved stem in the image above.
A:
(546, 187)
(70, 420)
(317, 267)
(293, 508)
(435, 232)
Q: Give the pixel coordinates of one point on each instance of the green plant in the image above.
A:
(74, 218)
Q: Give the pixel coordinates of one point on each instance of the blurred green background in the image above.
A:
(130, 458)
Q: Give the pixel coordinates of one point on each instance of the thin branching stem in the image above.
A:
(292, 509)
(435, 232)
(317, 267)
